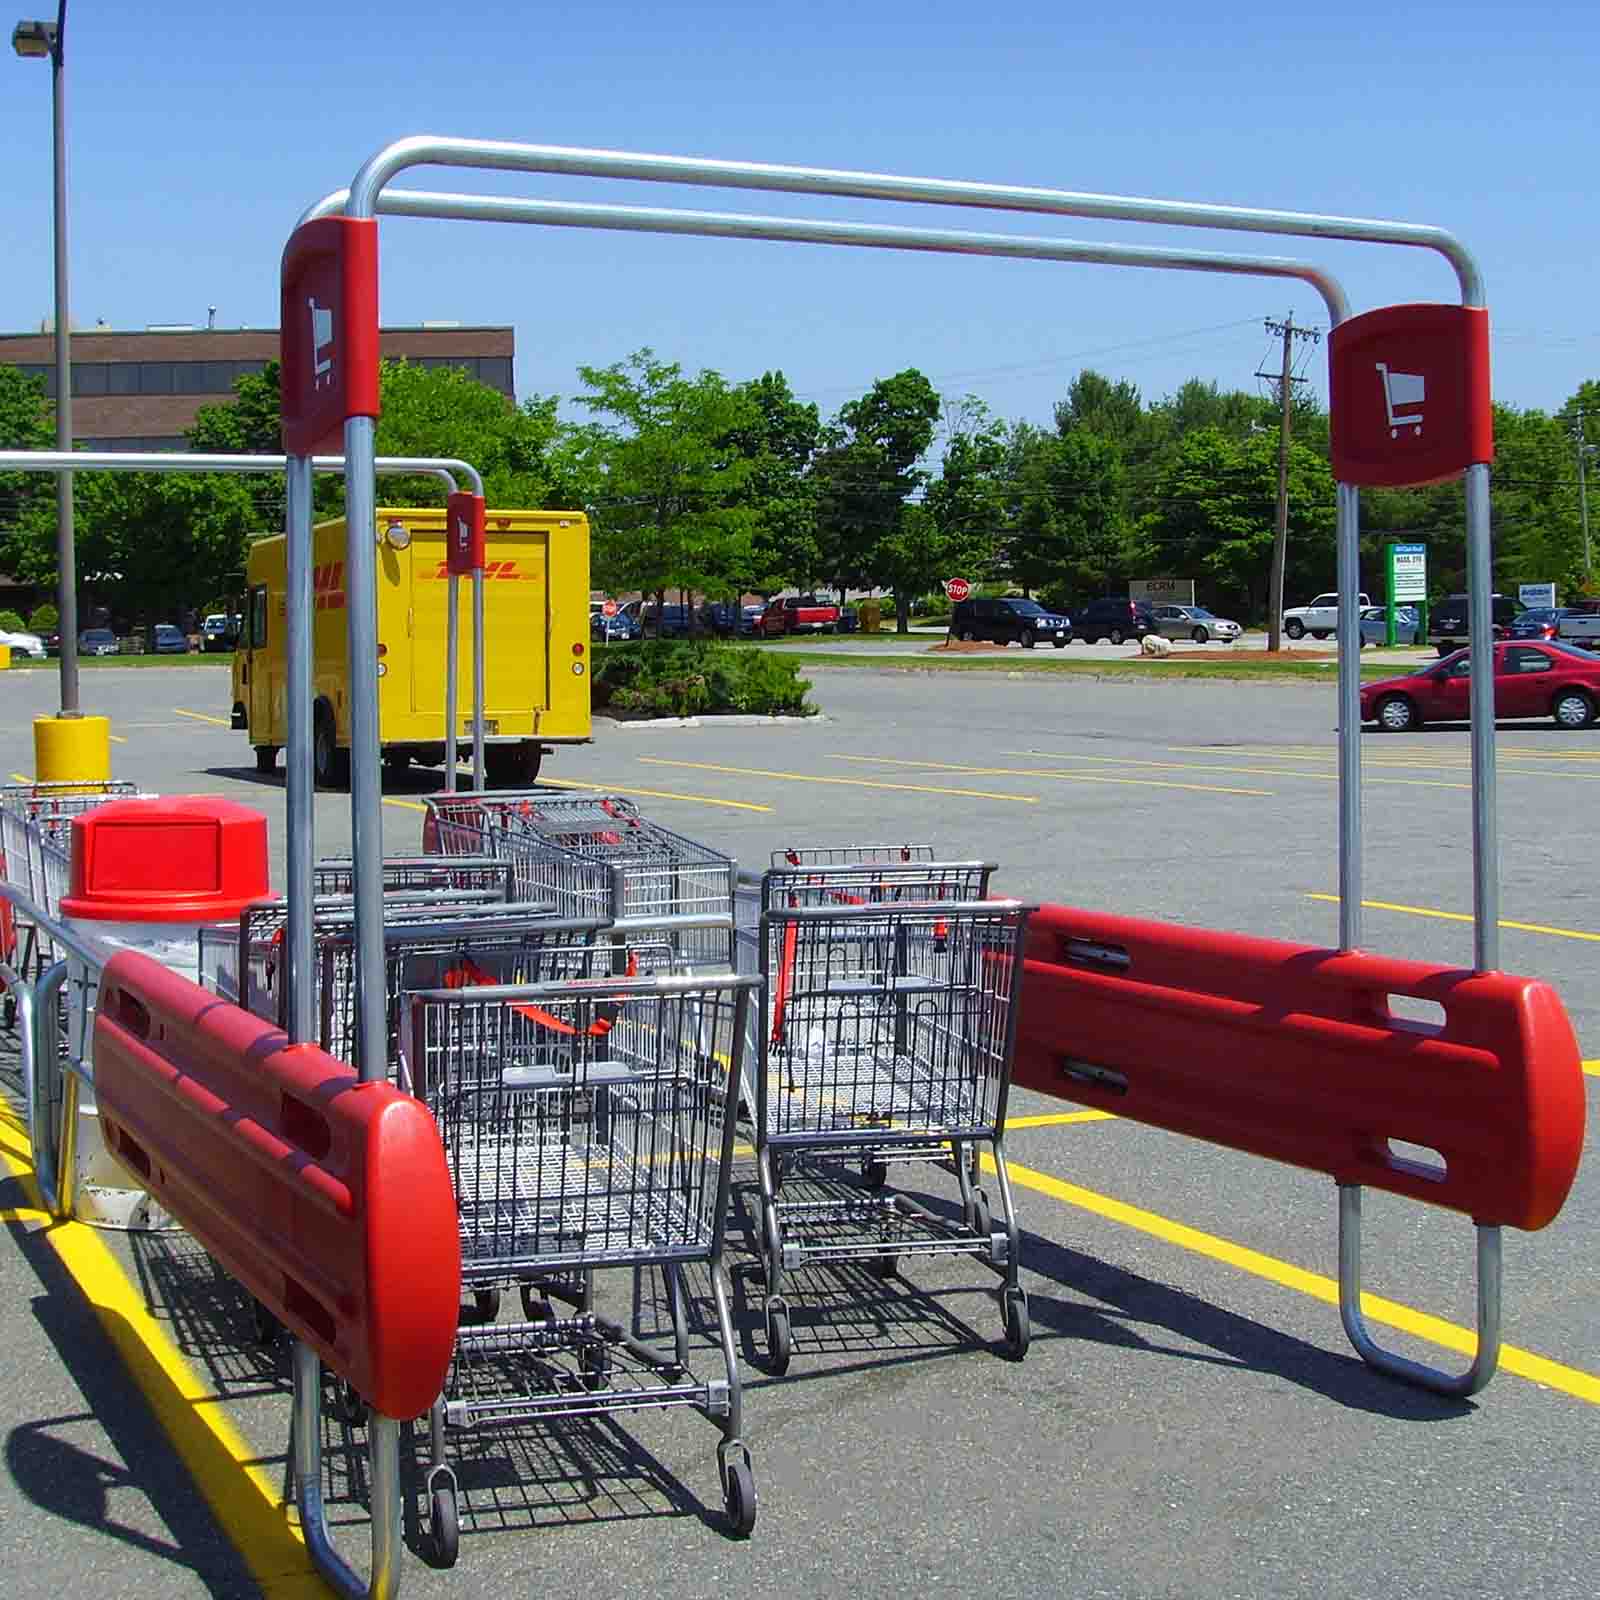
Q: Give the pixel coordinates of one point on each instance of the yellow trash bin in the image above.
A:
(71, 749)
(5, 656)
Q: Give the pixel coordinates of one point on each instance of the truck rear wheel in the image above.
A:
(330, 763)
(512, 766)
(266, 758)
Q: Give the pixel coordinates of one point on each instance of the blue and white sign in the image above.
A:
(1530, 595)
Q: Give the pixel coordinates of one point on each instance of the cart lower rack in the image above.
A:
(889, 1030)
(589, 1125)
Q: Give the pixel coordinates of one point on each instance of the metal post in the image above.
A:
(1480, 621)
(66, 548)
(1349, 570)
(366, 786)
(1583, 502)
(299, 773)
(477, 679)
(452, 671)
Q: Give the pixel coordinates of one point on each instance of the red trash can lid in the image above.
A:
(167, 858)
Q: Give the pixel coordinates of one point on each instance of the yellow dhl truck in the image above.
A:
(536, 643)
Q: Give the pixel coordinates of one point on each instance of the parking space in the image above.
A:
(1190, 1419)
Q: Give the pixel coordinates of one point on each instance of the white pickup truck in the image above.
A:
(1319, 619)
(1579, 623)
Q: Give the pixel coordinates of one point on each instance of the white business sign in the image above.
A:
(1163, 591)
(1409, 571)
(1530, 595)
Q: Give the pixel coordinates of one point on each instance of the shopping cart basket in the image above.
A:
(595, 856)
(889, 1029)
(584, 1131)
(417, 874)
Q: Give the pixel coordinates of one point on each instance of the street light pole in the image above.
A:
(1584, 449)
(37, 39)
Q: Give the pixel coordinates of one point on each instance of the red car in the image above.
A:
(1530, 680)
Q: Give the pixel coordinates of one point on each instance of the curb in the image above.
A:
(734, 720)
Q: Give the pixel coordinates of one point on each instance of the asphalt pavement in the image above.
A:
(1190, 1420)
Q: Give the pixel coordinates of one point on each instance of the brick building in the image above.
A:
(139, 391)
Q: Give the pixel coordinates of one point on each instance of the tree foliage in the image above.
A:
(27, 499)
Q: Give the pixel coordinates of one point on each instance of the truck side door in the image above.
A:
(258, 695)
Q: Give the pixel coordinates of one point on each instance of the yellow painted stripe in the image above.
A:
(222, 1463)
(849, 783)
(1461, 916)
(20, 777)
(409, 805)
(1592, 1068)
(655, 794)
(1580, 1385)
(116, 738)
(1286, 771)
(1056, 1119)
(201, 716)
(1516, 763)
(1051, 772)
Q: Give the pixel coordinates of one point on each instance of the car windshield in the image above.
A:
(1200, 611)
(1540, 615)
(1576, 652)
(1026, 608)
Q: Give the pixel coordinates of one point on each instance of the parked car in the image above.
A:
(1448, 624)
(1007, 618)
(24, 644)
(1195, 623)
(1113, 617)
(750, 621)
(1319, 619)
(1375, 625)
(97, 642)
(799, 613)
(170, 641)
(1580, 623)
(720, 619)
(1542, 622)
(1530, 680)
(617, 628)
(665, 622)
(219, 632)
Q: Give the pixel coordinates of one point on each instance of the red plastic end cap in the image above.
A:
(183, 858)
(328, 332)
(465, 538)
(1409, 397)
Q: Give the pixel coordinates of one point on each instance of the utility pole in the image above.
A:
(1287, 331)
(1584, 447)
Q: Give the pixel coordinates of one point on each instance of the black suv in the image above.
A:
(1115, 618)
(1447, 623)
(1012, 617)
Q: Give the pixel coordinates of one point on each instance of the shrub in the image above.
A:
(683, 678)
(45, 619)
(10, 622)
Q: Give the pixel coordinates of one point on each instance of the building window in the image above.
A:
(496, 372)
(155, 377)
(88, 377)
(122, 377)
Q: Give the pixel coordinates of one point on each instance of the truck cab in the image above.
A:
(1320, 618)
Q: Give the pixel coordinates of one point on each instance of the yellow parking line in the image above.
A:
(116, 738)
(655, 794)
(409, 805)
(1461, 916)
(1056, 1119)
(1592, 1068)
(1263, 772)
(201, 716)
(851, 783)
(1064, 776)
(1580, 1385)
(221, 1462)
(20, 777)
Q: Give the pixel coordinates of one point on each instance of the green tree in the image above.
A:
(966, 503)
(867, 474)
(1214, 510)
(27, 499)
(670, 511)
(1094, 404)
(778, 440)
(1068, 521)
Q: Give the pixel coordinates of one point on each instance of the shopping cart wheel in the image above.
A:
(739, 1497)
(875, 1174)
(980, 1219)
(882, 1266)
(486, 1304)
(444, 1528)
(263, 1324)
(1018, 1333)
(535, 1308)
(779, 1341)
(594, 1362)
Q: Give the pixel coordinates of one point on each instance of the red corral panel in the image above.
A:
(327, 1198)
(1408, 395)
(328, 332)
(1294, 1053)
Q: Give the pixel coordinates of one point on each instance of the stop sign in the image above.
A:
(957, 589)
(609, 608)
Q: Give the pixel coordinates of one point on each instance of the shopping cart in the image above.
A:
(585, 1130)
(888, 1033)
(417, 874)
(595, 856)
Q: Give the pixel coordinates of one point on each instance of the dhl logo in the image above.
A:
(327, 583)
(505, 570)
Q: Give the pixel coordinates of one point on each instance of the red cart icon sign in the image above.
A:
(1401, 389)
(1431, 359)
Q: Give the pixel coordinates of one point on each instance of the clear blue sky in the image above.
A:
(199, 132)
